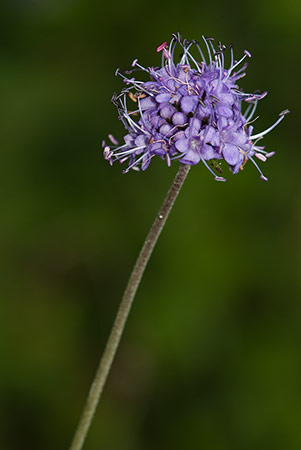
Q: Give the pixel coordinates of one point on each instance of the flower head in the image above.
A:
(191, 110)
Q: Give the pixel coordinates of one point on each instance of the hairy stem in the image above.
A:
(124, 309)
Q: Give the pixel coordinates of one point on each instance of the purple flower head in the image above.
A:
(191, 110)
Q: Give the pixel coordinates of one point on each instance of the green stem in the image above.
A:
(124, 309)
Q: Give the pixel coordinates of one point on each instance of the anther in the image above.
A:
(132, 97)
(261, 96)
(284, 113)
(247, 53)
(107, 153)
(161, 47)
(113, 140)
(268, 155)
(261, 157)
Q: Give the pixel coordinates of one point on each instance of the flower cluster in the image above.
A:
(190, 110)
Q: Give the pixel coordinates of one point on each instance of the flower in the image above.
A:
(190, 111)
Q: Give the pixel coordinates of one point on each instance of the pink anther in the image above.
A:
(113, 140)
(161, 47)
(261, 157)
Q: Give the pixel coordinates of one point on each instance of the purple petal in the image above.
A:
(157, 121)
(231, 154)
(189, 103)
(191, 157)
(227, 99)
(183, 72)
(165, 129)
(211, 136)
(209, 152)
(179, 118)
(222, 123)
(171, 85)
(237, 138)
(167, 111)
(175, 98)
(182, 89)
(156, 149)
(148, 103)
(145, 162)
(129, 140)
(237, 166)
(141, 140)
(223, 93)
(163, 98)
(194, 126)
(179, 135)
(224, 111)
(182, 145)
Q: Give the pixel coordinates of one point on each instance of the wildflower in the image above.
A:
(190, 111)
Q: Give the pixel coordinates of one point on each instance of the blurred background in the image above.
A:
(211, 354)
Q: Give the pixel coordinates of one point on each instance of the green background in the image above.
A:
(211, 354)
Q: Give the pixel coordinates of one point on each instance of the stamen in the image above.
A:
(242, 69)
(142, 117)
(246, 54)
(200, 51)
(210, 170)
(252, 97)
(120, 147)
(259, 170)
(141, 67)
(134, 163)
(131, 122)
(172, 46)
(192, 58)
(282, 115)
(161, 47)
(184, 58)
(251, 121)
(232, 55)
(252, 111)
(208, 50)
(128, 152)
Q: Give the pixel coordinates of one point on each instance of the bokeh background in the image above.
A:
(211, 354)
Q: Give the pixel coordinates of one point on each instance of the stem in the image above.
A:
(124, 309)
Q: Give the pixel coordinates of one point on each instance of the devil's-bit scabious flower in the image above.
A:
(190, 110)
